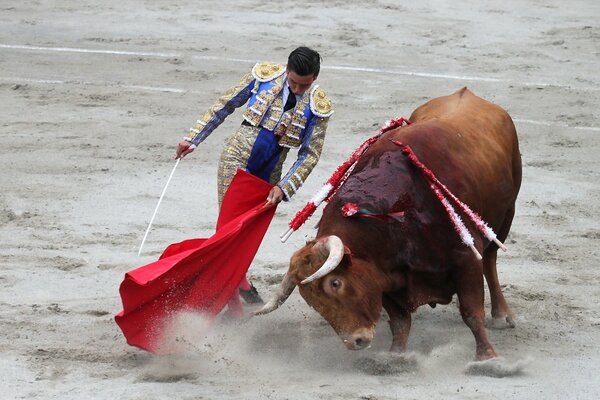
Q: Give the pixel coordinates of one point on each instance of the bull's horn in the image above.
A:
(281, 294)
(334, 247)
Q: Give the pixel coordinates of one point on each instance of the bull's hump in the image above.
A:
(446, 107)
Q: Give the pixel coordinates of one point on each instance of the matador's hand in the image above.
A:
(183, 148)
(275, 195)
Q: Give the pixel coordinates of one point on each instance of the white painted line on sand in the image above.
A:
(156, 89)
(326, 67)
(87, 83)
(90, 51)
(177, 90)
(27, 80)
(546, 123)
(215, 58)
(412, 73)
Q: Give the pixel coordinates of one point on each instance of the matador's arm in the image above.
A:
(308, 156)
(233, 98)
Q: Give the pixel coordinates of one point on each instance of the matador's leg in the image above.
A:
(235, 156)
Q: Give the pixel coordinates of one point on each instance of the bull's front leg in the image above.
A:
(400, 323)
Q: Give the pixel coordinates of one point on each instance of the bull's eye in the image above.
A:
(336, 284)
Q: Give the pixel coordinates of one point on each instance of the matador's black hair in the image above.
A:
(304, 61)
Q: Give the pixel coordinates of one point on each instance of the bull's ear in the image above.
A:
(327, 254)
(321, 252)
(318, 249)
(300, 259)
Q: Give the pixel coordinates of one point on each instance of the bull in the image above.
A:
(357, 266)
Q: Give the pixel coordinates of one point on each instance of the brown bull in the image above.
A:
(358, 265)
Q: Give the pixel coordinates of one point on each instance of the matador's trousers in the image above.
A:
(252, 149)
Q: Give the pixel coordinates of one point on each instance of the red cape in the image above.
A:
(198, 275)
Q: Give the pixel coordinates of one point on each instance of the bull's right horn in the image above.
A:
(283, 292)
(334, 247)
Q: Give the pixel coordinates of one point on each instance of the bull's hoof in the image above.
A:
(510, 321)
(385, 363)
(503, 322)
(496, 367)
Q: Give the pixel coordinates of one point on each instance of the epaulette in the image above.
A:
(320, 104)
(265, 71)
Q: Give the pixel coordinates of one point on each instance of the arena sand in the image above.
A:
(95, 95)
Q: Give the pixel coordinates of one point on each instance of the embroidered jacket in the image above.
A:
(302, 128)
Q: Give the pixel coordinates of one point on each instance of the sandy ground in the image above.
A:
(95, 95)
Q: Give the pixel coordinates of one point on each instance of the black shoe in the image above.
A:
(251, 296)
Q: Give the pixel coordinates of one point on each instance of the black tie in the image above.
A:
(291, 102)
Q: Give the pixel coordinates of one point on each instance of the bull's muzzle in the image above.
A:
(359, 339)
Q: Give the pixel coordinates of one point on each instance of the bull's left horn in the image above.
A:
(283, 292)
(334, 247)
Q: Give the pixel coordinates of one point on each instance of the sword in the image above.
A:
(158, 205)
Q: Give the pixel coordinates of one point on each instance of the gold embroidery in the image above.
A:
(274, 114)
(256, 112)
(320, 104)
(289, 142)
(315, 147)
(275, 176)
(294, 128)
(265, 71)
(235, 155)
(281, 128)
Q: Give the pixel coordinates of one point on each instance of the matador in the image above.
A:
(285, 109)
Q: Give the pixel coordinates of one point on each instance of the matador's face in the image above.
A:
(299, 83)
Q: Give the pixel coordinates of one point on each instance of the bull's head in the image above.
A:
(338, 286)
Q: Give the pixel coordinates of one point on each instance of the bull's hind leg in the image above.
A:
(400, 323)
(469, 288)
(501, 312)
